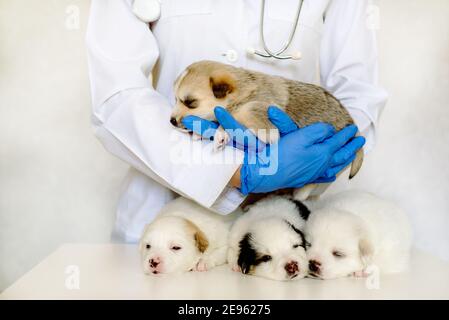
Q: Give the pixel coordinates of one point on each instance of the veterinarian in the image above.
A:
(131, 113)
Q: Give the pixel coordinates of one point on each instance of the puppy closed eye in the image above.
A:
(265, 258)
(190, 103)
(338, 254)
(175, 248)
(306, 245)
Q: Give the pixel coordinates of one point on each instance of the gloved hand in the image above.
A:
(313, 154)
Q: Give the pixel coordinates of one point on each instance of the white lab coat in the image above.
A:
(131, 115)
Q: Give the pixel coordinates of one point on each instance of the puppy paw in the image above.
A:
(236, 268)
(221, 139)
(201, 266)
(196, 137)
(360, 274)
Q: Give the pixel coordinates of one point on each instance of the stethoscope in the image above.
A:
(279, 54)
(150, 11)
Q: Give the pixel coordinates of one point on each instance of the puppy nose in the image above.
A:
(291, 267)
(314, 266)
(154, 262)
(173, 121)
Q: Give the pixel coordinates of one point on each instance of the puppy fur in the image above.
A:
(184, 237)
(247, 95)
(352, 232)
(267, 241)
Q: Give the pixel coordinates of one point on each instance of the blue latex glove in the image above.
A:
(313, 154)
(340, 159)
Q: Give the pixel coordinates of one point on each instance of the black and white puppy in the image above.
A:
(268, 241)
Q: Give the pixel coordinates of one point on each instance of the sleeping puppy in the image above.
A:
(267, 241)
(247, 95)
(353, 231)
(184, 237)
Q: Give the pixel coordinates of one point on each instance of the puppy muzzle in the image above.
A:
(292, 269)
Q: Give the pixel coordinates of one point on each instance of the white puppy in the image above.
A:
(267, 241)
(352, 232)
(184, 237)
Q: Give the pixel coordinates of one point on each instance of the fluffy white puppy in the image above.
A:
(352, 232)
(267, 241)
(184, 237)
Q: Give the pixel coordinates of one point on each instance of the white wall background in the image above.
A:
(58, 185)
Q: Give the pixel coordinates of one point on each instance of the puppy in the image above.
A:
(352, 232)
(247, 95)
(267, 241)
(184, 237)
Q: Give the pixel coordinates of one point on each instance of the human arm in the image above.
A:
(131, 119)
(349, 64)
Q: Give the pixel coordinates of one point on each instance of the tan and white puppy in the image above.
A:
(267, 241)
(354, 233)
(184, 237)
(247, 94)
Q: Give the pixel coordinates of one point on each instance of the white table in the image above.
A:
(111, 271)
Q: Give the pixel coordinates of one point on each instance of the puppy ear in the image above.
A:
(247, 254)
(304, 242)
(179, 79)
(303, 210)
(222, 84)
(201, 241)
(366, 250)
(200, 238)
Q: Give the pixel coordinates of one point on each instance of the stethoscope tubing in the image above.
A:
(277, 55)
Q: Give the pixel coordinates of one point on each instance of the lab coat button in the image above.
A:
(232, 55)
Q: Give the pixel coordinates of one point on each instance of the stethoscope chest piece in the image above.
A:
(147, 10)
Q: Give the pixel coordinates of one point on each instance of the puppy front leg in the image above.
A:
(233, 259)
(221, 139)
(209, 260)
(196, 137)
(254, 116)
(360, 274)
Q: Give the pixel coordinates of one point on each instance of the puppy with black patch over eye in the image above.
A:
(354, 233)
(184, 237)
(267, 241)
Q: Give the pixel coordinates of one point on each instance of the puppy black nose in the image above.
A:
(314, 266)
(292, 267)
(174, 122)
(154, 263)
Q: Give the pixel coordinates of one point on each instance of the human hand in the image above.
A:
(313, 154)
